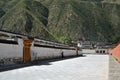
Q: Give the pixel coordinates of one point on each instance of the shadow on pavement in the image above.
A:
(35, 63)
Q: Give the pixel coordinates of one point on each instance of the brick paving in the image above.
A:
(91, 67)
(114, 69)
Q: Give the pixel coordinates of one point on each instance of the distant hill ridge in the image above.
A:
(62, 20)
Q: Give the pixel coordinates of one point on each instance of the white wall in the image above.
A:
(10, 50)
(69, 52)
(44, 53)
(91, 51)
(16, 51)
(88, 51)
(11, 53)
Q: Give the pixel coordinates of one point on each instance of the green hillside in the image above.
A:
(26, 17)
(62, 20)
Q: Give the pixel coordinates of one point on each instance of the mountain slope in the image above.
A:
(63, 20)
(87, 20)
(26, 17)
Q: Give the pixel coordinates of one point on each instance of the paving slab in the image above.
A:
(114, 69)
(90, 67)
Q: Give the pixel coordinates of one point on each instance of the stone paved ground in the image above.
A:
(91, 67)
(114, 69)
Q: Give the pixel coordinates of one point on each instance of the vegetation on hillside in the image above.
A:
(27, 17)
(62, 20)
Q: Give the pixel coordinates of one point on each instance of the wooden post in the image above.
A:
(26, 50)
